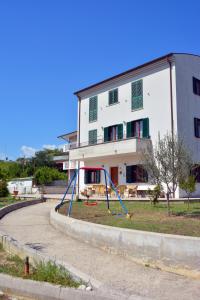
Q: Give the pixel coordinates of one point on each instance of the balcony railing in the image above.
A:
(69, 146)
(62, 157)
(108, 149)
(100, 140)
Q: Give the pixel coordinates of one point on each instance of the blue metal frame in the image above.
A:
(118, 196)
(73, 190)
(74, 178)
(68, 187)
(107, 198)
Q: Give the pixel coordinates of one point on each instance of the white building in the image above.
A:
(120, 115)
(22, 186)
(63, 160)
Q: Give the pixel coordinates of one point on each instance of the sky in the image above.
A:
(51, 48)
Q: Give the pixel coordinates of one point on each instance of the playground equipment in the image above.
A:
(107, 178)
(88, 193)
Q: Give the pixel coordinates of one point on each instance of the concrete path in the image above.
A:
(31, 226)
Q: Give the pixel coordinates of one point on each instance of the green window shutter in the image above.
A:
(129, 171)
(93, 107)
(196, 131)
(93, 136)
(90, 137)
(128, 129)
(106, 138)
(86, 179)
(146, 128)
(137, 94)
(113, 96)
(98, 176)
(120, 131)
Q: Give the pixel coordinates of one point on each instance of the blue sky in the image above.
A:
(51, 48)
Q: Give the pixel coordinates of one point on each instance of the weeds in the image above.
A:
(46, 272)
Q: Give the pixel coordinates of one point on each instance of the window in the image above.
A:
(196, 86)
(113, 96)
(196, 173)
(137, 94)
(92, 137)
(93, 104)
(138, 128)
(197, 127)
(136, 173)
(113, 133)
(92, 176)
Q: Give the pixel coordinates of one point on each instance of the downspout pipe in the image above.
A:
(171, 97)
(171, 111)
(79, 134)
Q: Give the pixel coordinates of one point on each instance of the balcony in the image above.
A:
(69, 146)
(61, 158)
(128, 146)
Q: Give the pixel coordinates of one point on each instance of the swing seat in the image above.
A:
(113, 213)
(86, 203)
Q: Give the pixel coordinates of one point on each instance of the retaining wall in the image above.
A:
(179, 254)
(7, 209)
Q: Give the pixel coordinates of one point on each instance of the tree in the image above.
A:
(44, 158)
(46, 175)
(3, 188)
(189, 186)
(155, 194)
(167, 163)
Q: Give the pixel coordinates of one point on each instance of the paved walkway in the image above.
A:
(31, 226)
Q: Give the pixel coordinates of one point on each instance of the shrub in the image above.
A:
(155, 194)
(45, 175)
(3, 188)
(189, 186)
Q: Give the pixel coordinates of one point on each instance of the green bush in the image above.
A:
(155, 194)
(189, 186)
(3, 188)
(45, 175)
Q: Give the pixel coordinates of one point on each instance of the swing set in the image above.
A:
(73, 181)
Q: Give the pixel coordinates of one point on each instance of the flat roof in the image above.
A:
(131, 70)
(68, 135)
(21, 179)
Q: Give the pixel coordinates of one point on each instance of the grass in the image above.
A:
(46, 272)
(7, 201)
(144, 216)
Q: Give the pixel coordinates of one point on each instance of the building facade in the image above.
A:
(67, 165)
(120, 116)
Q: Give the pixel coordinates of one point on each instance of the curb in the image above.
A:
(9, 208)
(171, 253)
(44, 290)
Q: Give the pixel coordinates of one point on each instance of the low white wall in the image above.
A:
(180, 254)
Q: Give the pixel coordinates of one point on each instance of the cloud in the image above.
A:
(28, 151)
(2, 156)
(49, 147)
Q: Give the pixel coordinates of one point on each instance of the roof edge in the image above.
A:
(65, 134)
(133, 69)
(124, 73)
